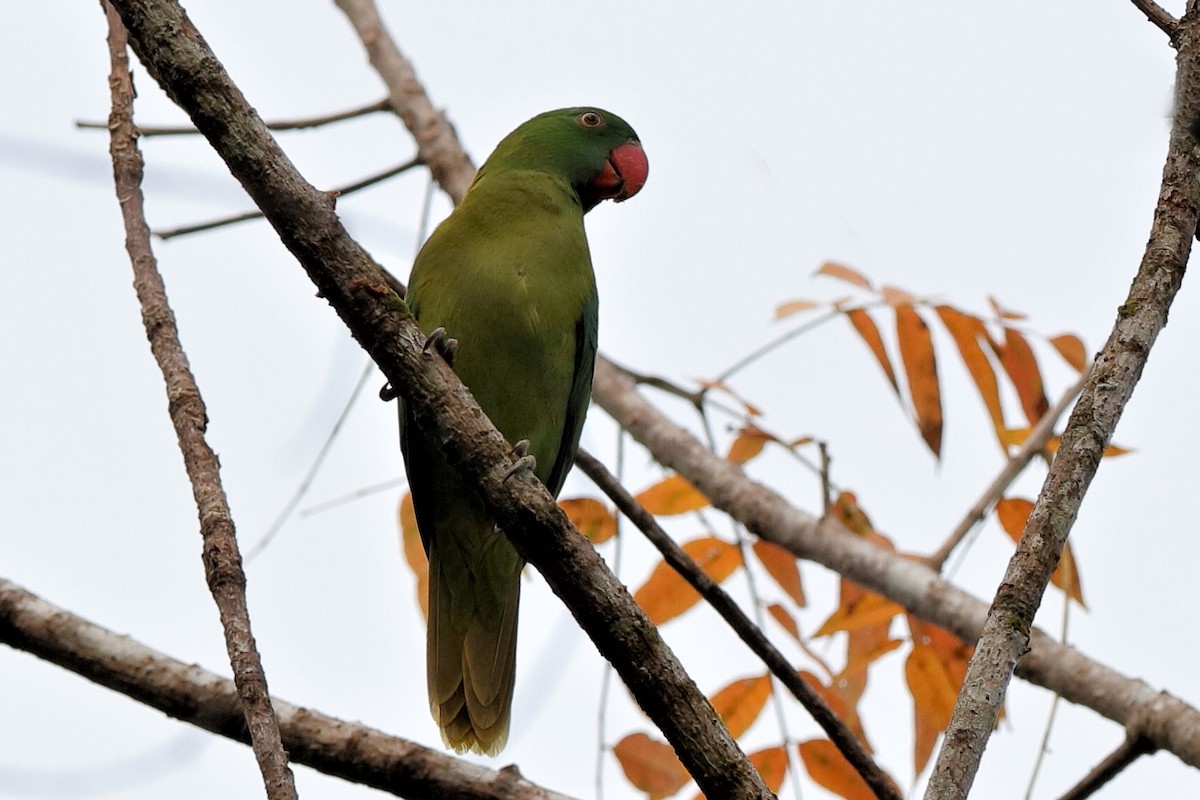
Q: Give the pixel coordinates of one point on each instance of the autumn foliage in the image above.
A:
(999, 356)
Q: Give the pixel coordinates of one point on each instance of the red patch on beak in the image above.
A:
(624, 172)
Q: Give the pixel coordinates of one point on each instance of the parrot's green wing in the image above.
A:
(508, 274)
(586, 335)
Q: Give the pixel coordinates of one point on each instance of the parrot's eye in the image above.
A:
(590, 119)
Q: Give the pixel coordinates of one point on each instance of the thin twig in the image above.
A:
(222, 562)
(747, 631)
(606, 678)
(1111, 383)
(1044, 745)
(1130, 750)
(188, 693)
(1160, 17)
(282, 125)
(1034, 443)
(350, 188)
(778, 341)
(306, 482)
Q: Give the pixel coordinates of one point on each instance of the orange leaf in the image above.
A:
(934, 692)
(895, 296)
(672, 495)
(1004, 313)
(869, 332)
(794, 307)
(845, 273)
(860, 662)
(1013, 513)
(666, 595)
(1016, 356)
(414, 551)
(781, 565)
(865, 610)
(1071, 348)
(750, 442)
(591, 518)
(772, 767)
(920, 365)
(651, 765)
(935, 672)
(847, 511)
(966, 331)
(741, 702)
(838, 704)
(785, 619)
(828, 767)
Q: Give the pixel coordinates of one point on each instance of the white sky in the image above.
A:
(956, 150)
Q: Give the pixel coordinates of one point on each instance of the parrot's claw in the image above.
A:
(524, 461)
(438, 342)
(387, 393)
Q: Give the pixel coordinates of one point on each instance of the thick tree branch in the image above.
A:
(188, 693)
(746, 630)
(222, 561)
(1118, 367)
(179, 59)
(1169, 722)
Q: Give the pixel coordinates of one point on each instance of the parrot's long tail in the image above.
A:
(472, 648)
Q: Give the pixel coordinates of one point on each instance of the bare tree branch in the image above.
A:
(1117, 370)
(746, 630)
(178, 58)
(1169, 722)
(1159, 16)
(341, 191)
(1130, 750)
(1033, 444)
(278, 125)
(222, 561)
(188, 693)
(437, 143)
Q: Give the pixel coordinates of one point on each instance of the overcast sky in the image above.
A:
(955, 150)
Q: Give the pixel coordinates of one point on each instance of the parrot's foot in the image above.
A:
(438, 342)
(524, 461)
(388, 393)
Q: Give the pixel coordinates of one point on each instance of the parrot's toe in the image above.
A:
(388, 393)
(524, 461)
(438, 342)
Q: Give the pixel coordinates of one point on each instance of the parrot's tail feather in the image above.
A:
(472, 671)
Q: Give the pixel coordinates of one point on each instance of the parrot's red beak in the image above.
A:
(624, 172)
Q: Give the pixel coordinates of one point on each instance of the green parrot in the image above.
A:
(508, 276)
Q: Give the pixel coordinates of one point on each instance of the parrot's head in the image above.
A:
(595, 151)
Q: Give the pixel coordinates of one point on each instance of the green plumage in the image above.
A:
(509, 275)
